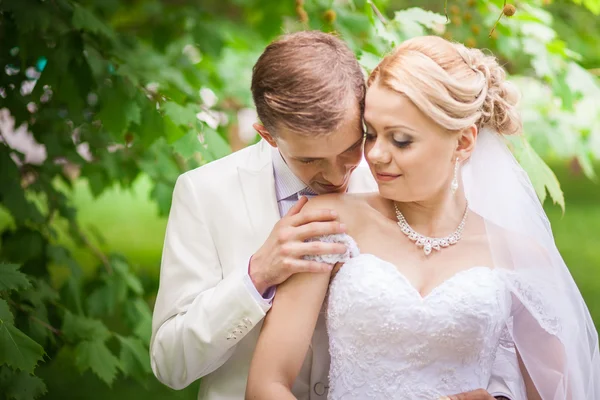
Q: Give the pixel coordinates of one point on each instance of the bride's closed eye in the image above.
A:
(402, 141)
(402, 144)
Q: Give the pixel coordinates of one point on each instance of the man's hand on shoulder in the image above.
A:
(281, 254)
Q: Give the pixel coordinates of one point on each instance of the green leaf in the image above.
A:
(151, 126)
(540, 174)
(72, 291)
(103, 300)
(11, 278)
(420, 16)
(188, 145)
(12, 195)
(77, 327)
(413, 21)
(562, 89)
(19, 385)
(23, 245)
(368, 60)
(124, 273)
(5, 313)
(18, 350)
(162, 192)
(181, 115)
(592, 5)
(94, 355)
(217, 146)
(119, 108)
(85, 20)
(135, 358)
(172, 131)
(139, 316)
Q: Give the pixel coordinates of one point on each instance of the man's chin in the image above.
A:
(320, 188)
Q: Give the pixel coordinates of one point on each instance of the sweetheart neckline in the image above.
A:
(436, 288)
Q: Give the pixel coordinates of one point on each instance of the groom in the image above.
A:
(236, 227)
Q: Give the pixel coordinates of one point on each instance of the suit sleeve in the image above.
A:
(199, 315)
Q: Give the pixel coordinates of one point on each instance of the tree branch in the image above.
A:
(46, 325)
(378, 13)
(95, 250)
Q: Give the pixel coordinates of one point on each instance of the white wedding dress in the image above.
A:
(389, 342)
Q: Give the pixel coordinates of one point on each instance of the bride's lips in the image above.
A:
(385, 177)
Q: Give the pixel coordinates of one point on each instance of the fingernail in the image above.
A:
(333, 213)
(343, 227)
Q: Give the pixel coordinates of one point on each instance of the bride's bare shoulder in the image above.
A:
(348, 206)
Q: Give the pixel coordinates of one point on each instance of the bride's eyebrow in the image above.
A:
(399, 126)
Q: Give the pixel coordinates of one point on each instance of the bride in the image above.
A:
(454, 252)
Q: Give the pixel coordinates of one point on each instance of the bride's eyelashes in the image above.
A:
(401, 144)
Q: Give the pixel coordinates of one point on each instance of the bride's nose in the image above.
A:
(377, 153)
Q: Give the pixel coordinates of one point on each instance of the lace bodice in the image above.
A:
(388, 342)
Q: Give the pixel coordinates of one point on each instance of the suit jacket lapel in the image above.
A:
(258, 187)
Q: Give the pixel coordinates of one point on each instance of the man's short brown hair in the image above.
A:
(307, 81)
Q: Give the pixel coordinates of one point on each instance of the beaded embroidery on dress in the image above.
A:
(388, 342)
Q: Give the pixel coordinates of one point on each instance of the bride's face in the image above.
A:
(411, 157)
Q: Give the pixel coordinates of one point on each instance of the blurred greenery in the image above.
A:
(124, 95)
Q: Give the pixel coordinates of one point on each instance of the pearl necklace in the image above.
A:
(429, 243)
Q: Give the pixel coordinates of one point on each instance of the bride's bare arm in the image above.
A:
(286, 336)
(288, 328)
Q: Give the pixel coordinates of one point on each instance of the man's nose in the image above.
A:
(337, 176)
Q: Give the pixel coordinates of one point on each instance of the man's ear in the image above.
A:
(264, 133)
(466, 142)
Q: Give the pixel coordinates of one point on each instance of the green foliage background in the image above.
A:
(124, 95)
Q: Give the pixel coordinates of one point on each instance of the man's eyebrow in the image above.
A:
(359, 141)
(320, 158)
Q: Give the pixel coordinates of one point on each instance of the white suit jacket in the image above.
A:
(206, 320)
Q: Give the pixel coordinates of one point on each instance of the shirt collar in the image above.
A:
(286, 183)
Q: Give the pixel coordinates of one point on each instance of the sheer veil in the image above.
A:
(550, 324)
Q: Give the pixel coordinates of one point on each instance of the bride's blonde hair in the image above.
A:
(454, 86)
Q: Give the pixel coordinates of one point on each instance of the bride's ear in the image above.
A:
(466, 142)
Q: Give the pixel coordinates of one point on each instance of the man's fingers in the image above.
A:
(297, 207)
(299, 249)
(307, 217)
(315, 229)
(299, 266)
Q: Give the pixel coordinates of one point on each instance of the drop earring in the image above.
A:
(454, 184)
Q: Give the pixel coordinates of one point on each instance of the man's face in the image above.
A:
(323, 162)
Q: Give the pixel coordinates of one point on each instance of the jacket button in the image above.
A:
(320, 388)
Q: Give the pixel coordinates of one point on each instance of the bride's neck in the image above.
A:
(435, 217)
